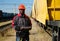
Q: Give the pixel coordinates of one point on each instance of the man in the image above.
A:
(22, 24)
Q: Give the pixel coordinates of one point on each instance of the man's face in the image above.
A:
(21, 11)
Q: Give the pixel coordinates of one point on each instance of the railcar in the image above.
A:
(47, 12)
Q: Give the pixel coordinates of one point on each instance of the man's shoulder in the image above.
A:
(18, 15)
(15, 17)
(26, 16)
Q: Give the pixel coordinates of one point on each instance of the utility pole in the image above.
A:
(14, 9)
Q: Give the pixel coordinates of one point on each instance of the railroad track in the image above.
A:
(4, 28)
(49, 31)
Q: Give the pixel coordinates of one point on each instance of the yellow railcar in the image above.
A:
(47, 11)
(33, 11)
(53, 12)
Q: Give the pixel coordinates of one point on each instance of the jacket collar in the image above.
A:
(21, 15)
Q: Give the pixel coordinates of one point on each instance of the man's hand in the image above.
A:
(27, 28)
(21, 28)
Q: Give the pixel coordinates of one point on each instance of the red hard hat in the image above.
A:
(21, 6)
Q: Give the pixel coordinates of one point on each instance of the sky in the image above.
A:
(11, 6)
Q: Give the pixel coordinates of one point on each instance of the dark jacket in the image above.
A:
(21, 21)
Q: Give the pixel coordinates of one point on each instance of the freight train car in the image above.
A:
(33, 14)
(39, 11)
(47, 12)
(5, 15)
(0, 13)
